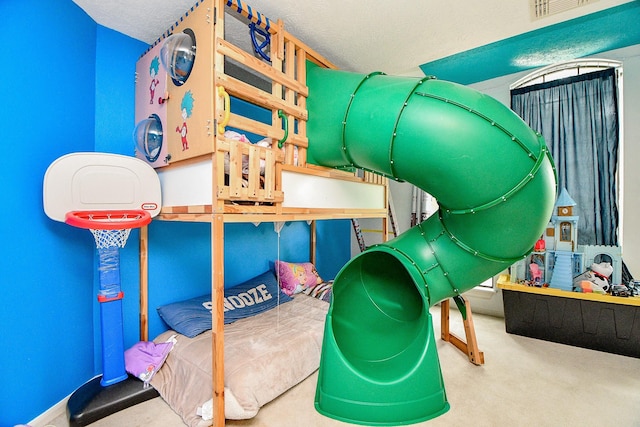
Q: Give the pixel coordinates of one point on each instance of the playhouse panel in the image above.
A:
(150, 94)
(190, 125)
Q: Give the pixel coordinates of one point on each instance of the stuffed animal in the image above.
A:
(598, 275)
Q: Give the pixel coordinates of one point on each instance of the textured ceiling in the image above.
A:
(376, 35)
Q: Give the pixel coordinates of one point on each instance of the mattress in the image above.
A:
(264, 356)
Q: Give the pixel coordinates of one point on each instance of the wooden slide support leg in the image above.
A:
(470, 347)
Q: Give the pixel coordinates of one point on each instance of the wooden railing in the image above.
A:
(247, 172)
(282, 91)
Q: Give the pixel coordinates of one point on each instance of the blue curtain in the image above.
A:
(578, 118)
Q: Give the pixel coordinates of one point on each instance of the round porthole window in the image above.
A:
(148, 137)
(178, 53)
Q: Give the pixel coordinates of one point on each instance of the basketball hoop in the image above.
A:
(110, 228)
(82, 190)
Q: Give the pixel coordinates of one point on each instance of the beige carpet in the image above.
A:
(524, 382)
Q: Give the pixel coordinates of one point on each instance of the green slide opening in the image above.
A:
(379, 301)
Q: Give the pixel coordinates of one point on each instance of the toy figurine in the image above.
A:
(598, 275)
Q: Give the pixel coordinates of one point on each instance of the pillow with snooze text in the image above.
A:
(193, 316)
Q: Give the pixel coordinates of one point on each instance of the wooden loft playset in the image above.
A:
(228, 130)
(188, 130)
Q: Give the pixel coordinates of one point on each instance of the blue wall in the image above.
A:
(249, 250)
(67, 86)
(48, 87)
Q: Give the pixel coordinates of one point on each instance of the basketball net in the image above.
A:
(110, 238)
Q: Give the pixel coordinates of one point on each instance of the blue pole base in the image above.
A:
(113, 368)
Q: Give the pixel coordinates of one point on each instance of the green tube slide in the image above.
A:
(495, 184)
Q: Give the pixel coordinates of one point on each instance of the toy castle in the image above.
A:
(557, 257)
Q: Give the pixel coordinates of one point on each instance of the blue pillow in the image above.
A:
(193, 316)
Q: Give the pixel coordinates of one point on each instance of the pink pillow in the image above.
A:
(295, 277)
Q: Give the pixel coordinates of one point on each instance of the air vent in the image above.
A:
(543, 8)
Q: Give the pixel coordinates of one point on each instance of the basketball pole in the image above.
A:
(111, 317)
(115, 389)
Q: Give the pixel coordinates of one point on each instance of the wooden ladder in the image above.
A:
(470, 347)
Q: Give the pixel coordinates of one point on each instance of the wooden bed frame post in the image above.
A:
(217, 329)
(144, 283)
(312, 242)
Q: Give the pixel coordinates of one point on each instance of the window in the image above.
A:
(563, 70)
(487, 283)
(576, 106)
(565, 231)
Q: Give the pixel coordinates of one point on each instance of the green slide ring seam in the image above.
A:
(525, 180)
(434, 253)
(346, 114)
(474, 252)
(550, 158)
(395, 125)
(539, 159)
(479, 114)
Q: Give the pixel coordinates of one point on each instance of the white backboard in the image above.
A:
(100, 181)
